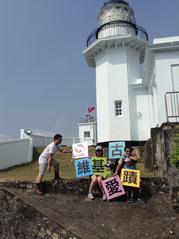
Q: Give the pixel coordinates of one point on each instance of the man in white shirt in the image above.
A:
(46, 161)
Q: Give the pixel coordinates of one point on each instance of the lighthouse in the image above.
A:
(116, 49)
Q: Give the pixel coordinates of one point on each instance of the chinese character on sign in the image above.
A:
(80, 150)
(130, 178)
(83, 167)
(98, 165)
(113, 187)
(116, 150)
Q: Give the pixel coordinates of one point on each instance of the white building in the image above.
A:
(162, 76)
(132, 75)
(88, 130)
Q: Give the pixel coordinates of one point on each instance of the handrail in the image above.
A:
(139, 31)
(172, 105)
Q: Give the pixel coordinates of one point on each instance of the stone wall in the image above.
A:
(21, 221)
(149, 186)
(158, 150)
(157, 157)
(174, 187)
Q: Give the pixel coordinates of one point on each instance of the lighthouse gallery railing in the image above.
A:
(117, 28)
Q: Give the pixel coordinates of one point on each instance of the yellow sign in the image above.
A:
(130, 178)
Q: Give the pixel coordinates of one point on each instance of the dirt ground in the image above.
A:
(97, 219)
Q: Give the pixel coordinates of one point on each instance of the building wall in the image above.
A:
(138, 98)
(166, 78)
(111, 85)
(153, 102)
(117, 71)
(15, 152)
(88, 127)
(141, 117)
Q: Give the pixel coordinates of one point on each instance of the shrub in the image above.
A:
(175, 156)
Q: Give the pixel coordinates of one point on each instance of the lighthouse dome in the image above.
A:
(114, 10)
(116, 1)
(116, 19)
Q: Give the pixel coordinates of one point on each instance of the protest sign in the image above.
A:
(113, 187)
(80, 150)
(98, 165)
(116, 150)
(130, 178)
(83, 167)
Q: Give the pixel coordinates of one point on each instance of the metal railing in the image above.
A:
(88, 119)
(117, 28)
(172, 106)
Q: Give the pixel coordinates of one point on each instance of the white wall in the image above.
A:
(15, 152)
(42, 140)
(138, 98)
(111, 85)
(117, 71)
(143, 115)
(90, 127)
(164, 62)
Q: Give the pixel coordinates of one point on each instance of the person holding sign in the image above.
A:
(46, 161)
(98, 177)
(128, 161)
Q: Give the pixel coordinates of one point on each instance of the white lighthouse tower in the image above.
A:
(117, 50)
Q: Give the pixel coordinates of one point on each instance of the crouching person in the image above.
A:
(46, 161)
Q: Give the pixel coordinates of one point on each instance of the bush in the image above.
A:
(175, 156)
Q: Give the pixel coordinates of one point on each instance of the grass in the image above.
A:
(30, 171)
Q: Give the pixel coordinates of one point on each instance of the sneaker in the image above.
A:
(90, 196)
(36, 190)
(130, 200)
(140, 200)
(104, 197)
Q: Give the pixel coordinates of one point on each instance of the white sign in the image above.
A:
(80, 150)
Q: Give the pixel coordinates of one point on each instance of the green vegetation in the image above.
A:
(29, 172)
(175, 151)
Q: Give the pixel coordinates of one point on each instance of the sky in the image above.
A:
(45, 83)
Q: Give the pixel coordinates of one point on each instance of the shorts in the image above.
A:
(43, 167)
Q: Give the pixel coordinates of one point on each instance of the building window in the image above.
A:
(118, 107)
(87, 134)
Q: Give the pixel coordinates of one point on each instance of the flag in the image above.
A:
(90, 109)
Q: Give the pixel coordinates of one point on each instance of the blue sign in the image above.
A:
(83, 167)
(116, 150)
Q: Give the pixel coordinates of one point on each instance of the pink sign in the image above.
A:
(113, 187)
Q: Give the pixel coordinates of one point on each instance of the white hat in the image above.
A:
(99, 148)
